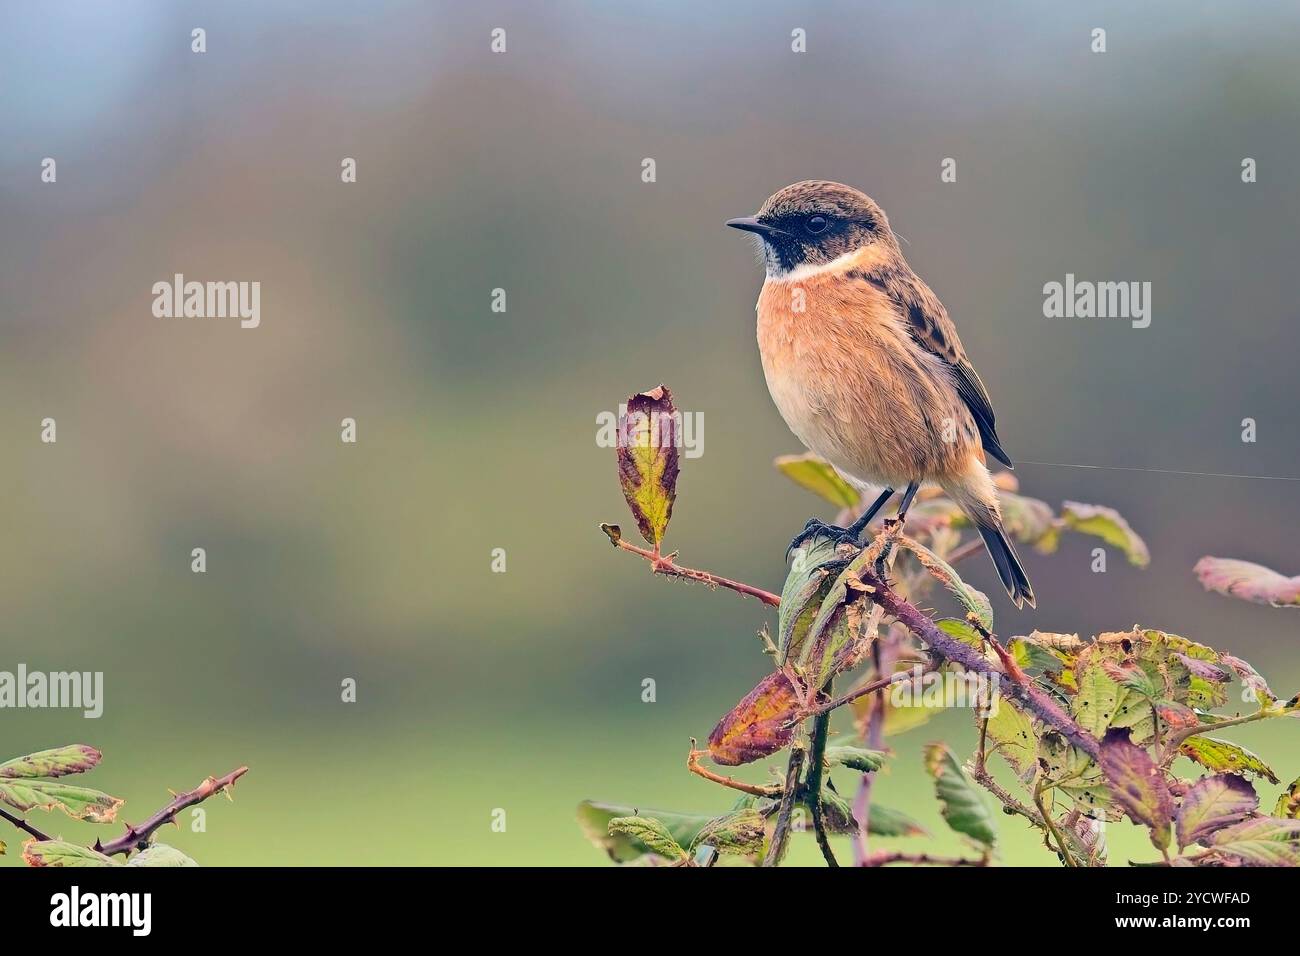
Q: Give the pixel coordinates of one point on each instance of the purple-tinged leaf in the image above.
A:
(1137, 784)
(761, 724)
(1211, 804)
(1248, 581)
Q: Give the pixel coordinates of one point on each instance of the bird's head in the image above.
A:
(814, 223)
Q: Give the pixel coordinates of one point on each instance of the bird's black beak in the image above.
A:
(750, 224)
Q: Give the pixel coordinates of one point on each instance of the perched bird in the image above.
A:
(865, 366)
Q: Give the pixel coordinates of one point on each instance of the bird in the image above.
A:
(865, 365)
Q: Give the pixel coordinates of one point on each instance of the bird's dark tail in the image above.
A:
(1009, 568)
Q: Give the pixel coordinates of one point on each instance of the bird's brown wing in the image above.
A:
(933, 330)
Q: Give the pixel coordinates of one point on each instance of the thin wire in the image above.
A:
(1156, 471)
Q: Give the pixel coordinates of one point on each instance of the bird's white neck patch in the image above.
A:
(807, 270)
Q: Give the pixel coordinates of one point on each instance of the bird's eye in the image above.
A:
(816, 224)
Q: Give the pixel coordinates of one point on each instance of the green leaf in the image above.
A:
(961, 630)
(1211, 804)
(818, 476)
(1222, 756)
(1012, 733)
(594, 818)
(59, 853)
(1261, 841)
(160, 854)
(1247, 581)
(962, 804)
(843, 627)
(1098, 699)
(1110, 526)
(855, 758)
(650, 833)
(888, 822)
(882, 821)
(740, 832)
(813, 572)
(973, 600)
(1137, 784)
(58, 762)
(648, 460)
(80, 803)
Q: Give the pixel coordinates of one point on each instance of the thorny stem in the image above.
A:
(1177, 738)
(1051, 826)
(813, 784)
(920, 859)
(23, 825)
(664, 564)
(971, 659)
(985, 780)
(882, 659)
(781, 833)
(693, 765)
(138, 837)
(862, 691)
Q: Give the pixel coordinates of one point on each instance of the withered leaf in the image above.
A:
(1211, 804)
(1137, 784)
(648, 460)
(760, 725)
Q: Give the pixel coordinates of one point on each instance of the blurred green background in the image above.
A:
(477, 429)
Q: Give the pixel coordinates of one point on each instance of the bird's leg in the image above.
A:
(906, 502)
(855, 530)
(818, 528)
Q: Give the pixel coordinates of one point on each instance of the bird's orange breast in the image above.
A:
(852, 384)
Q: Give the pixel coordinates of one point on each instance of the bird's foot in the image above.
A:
(816, 528)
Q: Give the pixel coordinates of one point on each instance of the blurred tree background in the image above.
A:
(476, 430)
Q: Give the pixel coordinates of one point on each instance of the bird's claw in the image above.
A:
(816, 528)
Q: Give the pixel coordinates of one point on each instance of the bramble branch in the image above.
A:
(664, 564)
(968, 657)
(781, 833)
(756, 790)
(813, 784)
(137, 837)
(23, 825)
(922, 859)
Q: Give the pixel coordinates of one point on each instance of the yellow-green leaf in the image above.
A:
(60, 853)
(160, 854)
(1012, 734)
(648, 460)
(650, 832)
(80, 803)
(58, 762)
(818, 476)
(1224, 757)
(1109, 525)
(740, 832)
